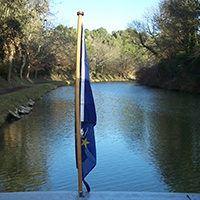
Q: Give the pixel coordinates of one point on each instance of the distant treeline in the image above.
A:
(162, 50)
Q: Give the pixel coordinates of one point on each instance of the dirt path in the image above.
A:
(9, 90)
(14, 89)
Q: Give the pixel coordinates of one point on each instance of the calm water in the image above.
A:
(147, 140)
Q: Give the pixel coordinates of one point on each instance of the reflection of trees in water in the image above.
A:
(176, 142)
(22, 163)
(166, 132)
(172, 149)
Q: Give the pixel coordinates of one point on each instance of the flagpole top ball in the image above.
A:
(80, 13)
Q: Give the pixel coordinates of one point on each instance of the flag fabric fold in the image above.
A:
(87, 116)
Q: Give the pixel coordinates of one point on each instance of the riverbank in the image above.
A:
(11, 101)
(93, 78)
(160, 77)
(18, 92)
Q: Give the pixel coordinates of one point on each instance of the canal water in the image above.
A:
(147, 140)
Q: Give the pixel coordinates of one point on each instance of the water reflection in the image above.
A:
(172, 141)
(169, 121)
(22, 163)
(147, 140)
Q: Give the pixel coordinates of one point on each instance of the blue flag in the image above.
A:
(87, 116)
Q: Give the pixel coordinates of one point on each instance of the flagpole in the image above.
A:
(78, 122)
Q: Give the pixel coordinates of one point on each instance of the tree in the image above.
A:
(20, 24)
(171, 34)
(35, 33)
(170, 28)
(10, 31)
(133, 56)
(64, 47)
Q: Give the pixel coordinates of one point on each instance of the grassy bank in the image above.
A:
(14, 100)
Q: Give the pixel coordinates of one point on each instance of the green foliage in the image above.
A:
(21, 32)
(164, 49)
(171, 36)
(30, 45)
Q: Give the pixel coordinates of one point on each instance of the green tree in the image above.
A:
(170, 28)
(171, 35)
(10, 31)
(20, 22)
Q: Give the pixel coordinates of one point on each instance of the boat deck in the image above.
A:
(50, 195)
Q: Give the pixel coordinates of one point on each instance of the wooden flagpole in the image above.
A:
(78, 122)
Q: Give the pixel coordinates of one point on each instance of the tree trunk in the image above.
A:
(36, 72)
(28, 71)
(96, 70)
(10, 59)
(102, 70)
(23, 65)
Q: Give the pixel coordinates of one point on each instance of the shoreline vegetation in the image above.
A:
(34, 89)
(162, 50)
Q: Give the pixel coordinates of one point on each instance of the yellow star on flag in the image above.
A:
(85, 142)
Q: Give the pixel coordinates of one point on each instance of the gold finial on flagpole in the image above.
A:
(80, 13)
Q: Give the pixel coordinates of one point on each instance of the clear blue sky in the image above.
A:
(109, 14)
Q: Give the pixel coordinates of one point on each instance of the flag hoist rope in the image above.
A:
(78, 122)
